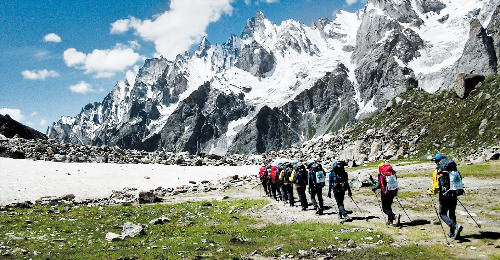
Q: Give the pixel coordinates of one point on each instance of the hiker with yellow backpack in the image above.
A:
(447, 182)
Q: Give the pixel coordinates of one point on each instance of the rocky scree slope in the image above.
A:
(416, 125)
(278, 85)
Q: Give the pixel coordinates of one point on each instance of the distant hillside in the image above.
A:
(423, 123)
(10, 127)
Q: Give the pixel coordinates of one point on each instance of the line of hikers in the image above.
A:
(278, 181)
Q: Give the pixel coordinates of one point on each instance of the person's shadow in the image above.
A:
(481, 235)
(414, 223)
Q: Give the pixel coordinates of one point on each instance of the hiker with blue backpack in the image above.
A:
(447, 182)
(388, 185)
(316, 184)
(338, 183)
(299, 178)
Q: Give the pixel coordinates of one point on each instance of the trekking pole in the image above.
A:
(437, 214)
(380, 205)
(403, 209)
(355, 204)
(478, 225)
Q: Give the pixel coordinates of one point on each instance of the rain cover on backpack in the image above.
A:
(319, 173)
(388, 179)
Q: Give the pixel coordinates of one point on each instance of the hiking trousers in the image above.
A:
(289, 193)
(273, 186)
(264, 184)
(339, 198)
(447, 206)
(387, 200)
(317, 191)
(301, 190)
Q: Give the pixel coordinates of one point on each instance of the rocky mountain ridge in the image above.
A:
(279, 85)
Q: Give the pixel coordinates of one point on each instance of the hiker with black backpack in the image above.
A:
(285, 175)
(316, 184)
(388, 185)
(279, 184)
(447, 182)
(299, 178)
(338, 183)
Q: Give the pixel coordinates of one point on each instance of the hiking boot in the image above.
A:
(340, 216)
(458, 229)
(304, 208)
(452, 231)
(346, 217)
(397, 220)
(319, 212)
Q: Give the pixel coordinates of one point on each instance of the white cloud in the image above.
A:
(43, 122)
(39, 74)
(120, 26)
(174, 31)
(52, 37)
(33, 114)
(104, 63)
(15, 114)
(73, 57)
(82, 87)
(351, 2)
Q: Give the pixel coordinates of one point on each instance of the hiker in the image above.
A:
(387, 184)
(338, 182)
(263, 177)
(279, 184)
(285, 175)
(299, 178)
(316, 184)
(273, 181)
(447, 182)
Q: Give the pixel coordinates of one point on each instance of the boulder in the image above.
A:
(147, 197)
(465, 83)
(130, 230)
(361, 179)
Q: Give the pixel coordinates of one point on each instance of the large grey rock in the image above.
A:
(478, 57)
(131, 230)
(465, 83)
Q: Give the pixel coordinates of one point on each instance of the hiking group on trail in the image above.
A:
(278, 181)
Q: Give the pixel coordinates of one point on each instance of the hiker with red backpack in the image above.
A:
(387, 183)
(316, 184)
(263, 177)
(273, 181)
(338, 183)
(447, 182)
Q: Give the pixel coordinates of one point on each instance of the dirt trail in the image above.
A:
(481, 200)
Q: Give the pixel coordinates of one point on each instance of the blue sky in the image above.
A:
(58, 56)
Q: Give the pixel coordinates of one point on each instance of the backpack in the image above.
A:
(337, 179)
(287, 172)
(388, 180)
(447, 164)
(274, 171)
(300, 174)
(262, 173)
(450, 183)
(318, 174)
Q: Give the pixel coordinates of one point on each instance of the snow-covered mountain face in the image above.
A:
(277, 85)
